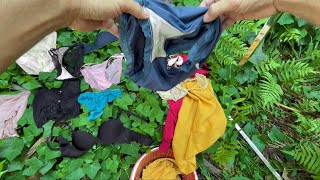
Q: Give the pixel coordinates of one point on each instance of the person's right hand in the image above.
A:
(235, 10)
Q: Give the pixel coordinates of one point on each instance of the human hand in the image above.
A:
(101, 14)
(236, 10)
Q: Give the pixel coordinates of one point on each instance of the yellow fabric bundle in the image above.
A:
(201, 122)
(164, 168)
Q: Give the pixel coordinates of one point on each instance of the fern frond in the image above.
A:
(225, 153)
(308, 124)
(270, 91)
(267, 66)
(224, 59)
(306, 105)
(308, 155)
(242, 27)
(290, 35)
(232, 46)
(291, 70)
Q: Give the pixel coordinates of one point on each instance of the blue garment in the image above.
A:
(170, 30)
(96, 101)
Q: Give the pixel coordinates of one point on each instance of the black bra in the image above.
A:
(110, 132)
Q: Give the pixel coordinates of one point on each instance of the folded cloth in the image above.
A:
(160, 169)
(148, 44)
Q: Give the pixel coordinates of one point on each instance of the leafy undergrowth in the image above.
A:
(274, 98)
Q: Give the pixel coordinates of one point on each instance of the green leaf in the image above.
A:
(47, 75)
(27, 117)
(76, 174)
(48, 164)
(83, 85)
(130, 149)
(103, 175)
(286, 19)
(103, 152)
(46, 153)
(34, 165)
(131, 86)
(52, 175)
(239, 178)
(57, 84)
(260, 144)
(250, 129)
(92, 169)
(47, 128)
(258, 56)
(1, 164)
(149, 128)
(30, 132)
(124, 101)
(10, 148)
(112, 164)
(107, 112)
(31, 85)
(15, 165)
(276, 135)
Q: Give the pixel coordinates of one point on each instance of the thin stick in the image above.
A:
(262, 34)
(32, 150)
(256, 150)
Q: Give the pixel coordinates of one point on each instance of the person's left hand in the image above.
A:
(100, 14)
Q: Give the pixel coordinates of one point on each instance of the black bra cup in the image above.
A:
(113, 132)
(110, 132)
(83, 141)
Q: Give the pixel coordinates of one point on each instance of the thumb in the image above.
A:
(206, 3)
(216, 9)
(134, 9)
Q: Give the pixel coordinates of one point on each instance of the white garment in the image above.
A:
(37, 59)
(179, 92)
(161, 31)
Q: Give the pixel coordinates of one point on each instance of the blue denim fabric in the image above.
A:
(136, 42)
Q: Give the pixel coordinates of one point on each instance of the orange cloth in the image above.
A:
(160, 169)
(201, 123)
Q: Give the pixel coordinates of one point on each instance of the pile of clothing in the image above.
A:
(152, 49)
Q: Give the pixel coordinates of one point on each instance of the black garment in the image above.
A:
(69, 60)
(110, 132)
(57, 104)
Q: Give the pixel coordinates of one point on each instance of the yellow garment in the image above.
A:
(164, 168)
(201, 122)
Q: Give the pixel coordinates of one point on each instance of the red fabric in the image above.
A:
(203, 70)
(174, 108)
(171, 121)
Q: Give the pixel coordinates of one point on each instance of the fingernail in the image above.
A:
(205, 18)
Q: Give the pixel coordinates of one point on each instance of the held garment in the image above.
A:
(37, 59)
(12, 108)
(200, 123)
(57, 104)
(96, 101)
(148, 44)
(102, 76)
(69, 60)
(161, 169)
(110, 132)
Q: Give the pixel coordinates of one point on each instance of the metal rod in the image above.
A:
(256, 150)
